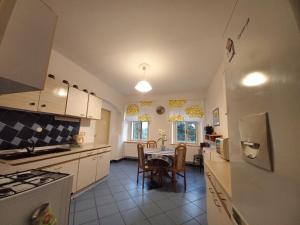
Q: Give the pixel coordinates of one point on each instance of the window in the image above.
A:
(186, 131)
(139, 130)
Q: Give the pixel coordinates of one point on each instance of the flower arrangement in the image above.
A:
(163, 138)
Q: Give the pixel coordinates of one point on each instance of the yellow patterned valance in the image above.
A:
(177, 103)
(144, 117)
(146, 103)
(132, 109)
(194, 111)
(174, 118)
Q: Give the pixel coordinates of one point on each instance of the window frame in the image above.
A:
(140, 134)
(186, 131)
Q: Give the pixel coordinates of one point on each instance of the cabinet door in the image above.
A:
(106, 166)
(24, 100)
(94, 107)
(26, 36)
(69, 168)
(100, 165)
(103, 165)
(87, 171)
(76, 103)
(212, 212)
(53, 98)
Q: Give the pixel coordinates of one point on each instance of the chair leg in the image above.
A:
(174, 181)
(184, 177)
(137, 175)
(143, 178)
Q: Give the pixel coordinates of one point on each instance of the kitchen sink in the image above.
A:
(21, 155)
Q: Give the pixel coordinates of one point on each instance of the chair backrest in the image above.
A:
(141, 156)
(151, 144)
(179, 160)
(182, 144)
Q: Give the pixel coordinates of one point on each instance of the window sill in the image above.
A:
(135, 142)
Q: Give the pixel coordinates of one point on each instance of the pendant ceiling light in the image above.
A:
(143, 86)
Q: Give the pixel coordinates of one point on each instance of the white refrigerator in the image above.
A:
(264, 77)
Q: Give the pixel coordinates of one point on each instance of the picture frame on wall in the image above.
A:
(216, 117)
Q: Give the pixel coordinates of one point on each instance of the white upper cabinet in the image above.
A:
(77, 102)
(94, 107)
(25, 100)
(26, 35)
(53, 98)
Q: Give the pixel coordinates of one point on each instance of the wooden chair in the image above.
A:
(151, 144)
(143, 166)
(178, 166)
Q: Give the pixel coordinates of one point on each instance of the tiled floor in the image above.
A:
(117, 200)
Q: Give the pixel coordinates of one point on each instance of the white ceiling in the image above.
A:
(180, 39)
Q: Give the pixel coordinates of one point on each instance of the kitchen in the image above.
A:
(82, 83)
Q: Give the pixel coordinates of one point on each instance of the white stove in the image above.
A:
(15, 183)
(22, 193)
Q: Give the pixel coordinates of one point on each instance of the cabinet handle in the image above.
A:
(211, 190)
(220, 197)
(82, 114)
(43, 105)
(32, 103)
(58, 168)
(216, 203)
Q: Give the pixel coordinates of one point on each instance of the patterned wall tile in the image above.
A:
(16, 127)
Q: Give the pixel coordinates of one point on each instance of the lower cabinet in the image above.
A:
(87, 171)
(103, 164)
(70, 167)
(216, 214)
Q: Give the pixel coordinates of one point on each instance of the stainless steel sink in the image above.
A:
(21, 155)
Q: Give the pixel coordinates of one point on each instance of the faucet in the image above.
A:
(30, 149)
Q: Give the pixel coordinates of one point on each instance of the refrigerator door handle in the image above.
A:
(251, 144)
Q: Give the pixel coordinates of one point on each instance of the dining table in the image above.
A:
(162, 159)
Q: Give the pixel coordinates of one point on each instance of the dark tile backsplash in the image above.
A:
(16, 127)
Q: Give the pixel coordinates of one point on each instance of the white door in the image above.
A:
(77, 102)
(87, 171)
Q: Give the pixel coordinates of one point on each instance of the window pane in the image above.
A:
(180, 131)
(191, 132)
(144, 130)
(135, 130)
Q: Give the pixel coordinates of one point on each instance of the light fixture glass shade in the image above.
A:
(143, 86)
(254, 79)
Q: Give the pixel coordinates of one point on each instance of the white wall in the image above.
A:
(216, 98)
(65, 69)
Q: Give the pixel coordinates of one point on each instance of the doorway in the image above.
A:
(102, 128)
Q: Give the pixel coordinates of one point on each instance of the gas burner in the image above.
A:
(4, 192)
(5, 180)
(15, 183)
(39, 180)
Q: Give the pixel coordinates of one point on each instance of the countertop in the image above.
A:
(74, 150)
(221, 171)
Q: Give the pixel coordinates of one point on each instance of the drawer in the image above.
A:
(210, 177)
(223, 196)
(88, 153)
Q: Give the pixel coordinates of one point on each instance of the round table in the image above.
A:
(162, 159)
